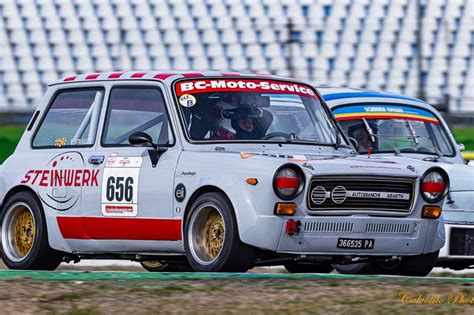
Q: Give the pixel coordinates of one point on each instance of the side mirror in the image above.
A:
(461, 147)
(354, 143)
(140, 139)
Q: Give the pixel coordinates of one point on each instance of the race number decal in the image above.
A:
(120, 186)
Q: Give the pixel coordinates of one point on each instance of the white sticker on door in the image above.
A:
(120, 187)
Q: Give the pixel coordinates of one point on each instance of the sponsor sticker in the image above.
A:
(384, 112)
(60, 142)
(120, 186)
(184, 88)
(187, 100)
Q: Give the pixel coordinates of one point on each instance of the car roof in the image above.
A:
(167, 76)
(341, 96)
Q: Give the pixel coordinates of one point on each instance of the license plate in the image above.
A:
(355, 243)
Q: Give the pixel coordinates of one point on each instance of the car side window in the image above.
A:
(136, 108)
(71, 120)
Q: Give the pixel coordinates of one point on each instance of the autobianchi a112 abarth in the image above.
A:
(209, 172)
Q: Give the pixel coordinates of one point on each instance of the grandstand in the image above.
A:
(359, 43)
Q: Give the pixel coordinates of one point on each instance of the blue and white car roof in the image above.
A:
(339, 96)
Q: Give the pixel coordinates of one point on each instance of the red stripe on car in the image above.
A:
(115, 75)
(119, 228)
(92, 76)
(192, 75)
(138, 75)
(163, 76)
(70, 78)
(230, 74)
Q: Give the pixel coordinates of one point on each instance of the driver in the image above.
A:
(360, 133)
(249, 121)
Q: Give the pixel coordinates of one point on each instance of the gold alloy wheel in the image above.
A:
(18, 232)
(24, 232)
(214, 235)
(152, 264)
(207, 234)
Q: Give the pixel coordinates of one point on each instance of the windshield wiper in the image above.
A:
(412, 132)
(370, 132)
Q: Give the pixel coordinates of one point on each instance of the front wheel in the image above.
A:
(309, 267)
(419, 265)
(24, 235)
(211, 238)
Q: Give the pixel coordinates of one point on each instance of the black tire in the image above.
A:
(419, 265)
(163, 266)
(233, 256)
(303, 267)
(362, 268)
(386, 267)
(40, 255)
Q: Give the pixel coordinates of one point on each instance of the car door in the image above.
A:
(132, 207)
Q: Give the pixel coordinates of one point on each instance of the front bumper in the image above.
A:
(392, 236)
(459, 242)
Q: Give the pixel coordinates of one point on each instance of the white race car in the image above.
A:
(397, 126)
(211, 172)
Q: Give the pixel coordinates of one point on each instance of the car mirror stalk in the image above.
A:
(140, 138)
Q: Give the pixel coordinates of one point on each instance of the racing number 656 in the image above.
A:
(120, 188)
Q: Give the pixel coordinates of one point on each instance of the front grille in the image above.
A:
(461, 242)
(357, 193)
(327, 226)
(388, 228)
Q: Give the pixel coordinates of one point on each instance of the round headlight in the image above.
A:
(434, 185)
(288, 181)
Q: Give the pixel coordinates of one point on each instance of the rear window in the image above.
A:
(71, 120)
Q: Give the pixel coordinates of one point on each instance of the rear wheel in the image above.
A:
(164, 266)
(211, 237)
(303, 267)
(419, 265)
(24, 235)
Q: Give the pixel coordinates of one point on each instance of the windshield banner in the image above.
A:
(384, 112)
(242, 85)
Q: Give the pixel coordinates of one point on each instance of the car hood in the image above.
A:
(330, 164)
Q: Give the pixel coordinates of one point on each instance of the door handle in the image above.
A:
(96, 159)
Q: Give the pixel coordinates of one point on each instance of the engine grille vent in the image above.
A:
(327, 227)
(388, 228)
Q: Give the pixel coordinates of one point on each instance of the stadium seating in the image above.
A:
(358, 43)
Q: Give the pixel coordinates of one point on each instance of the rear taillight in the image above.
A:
(288, 181)
(434, 185)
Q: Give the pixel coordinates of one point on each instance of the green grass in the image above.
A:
(465, 135)
(9, 136)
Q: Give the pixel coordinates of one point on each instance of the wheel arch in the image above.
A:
(17, 189)
(199, 192)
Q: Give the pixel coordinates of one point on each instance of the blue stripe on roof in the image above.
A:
(338, 96)
(392, 109)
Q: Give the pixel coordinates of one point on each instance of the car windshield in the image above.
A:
(394, 128)
(254, 110)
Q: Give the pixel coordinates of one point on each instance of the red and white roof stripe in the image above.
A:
(163, 75)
